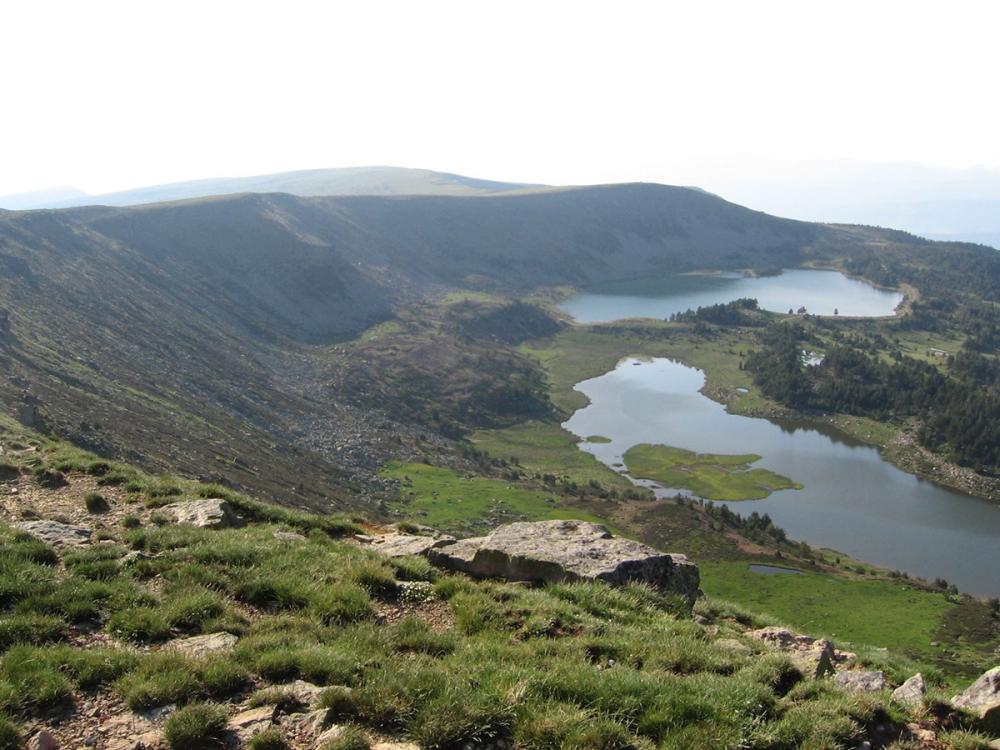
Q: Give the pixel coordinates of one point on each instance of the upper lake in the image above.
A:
(820, 292)
(852, 499)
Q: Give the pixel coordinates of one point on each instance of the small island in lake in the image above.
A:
(708, 475)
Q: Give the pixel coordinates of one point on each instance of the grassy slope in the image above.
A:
(583, 352)
(580, 665)
(452, 502)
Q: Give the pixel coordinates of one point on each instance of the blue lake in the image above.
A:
(819, 292)
(853, 500)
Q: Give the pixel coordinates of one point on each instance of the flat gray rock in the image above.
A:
(861, 682)
(55, 533)
(210, 513)
(401, 545)
(555, 551)
(911, 693)
(982, 698)
(203, 645)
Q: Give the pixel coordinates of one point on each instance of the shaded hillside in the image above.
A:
(222, 331)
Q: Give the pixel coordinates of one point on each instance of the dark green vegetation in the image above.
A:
(709, 475)
(958, 406)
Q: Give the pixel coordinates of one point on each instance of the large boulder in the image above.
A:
(982, 698)
(911, 693)
(555, 551)
(55, 533)
(401, 545)
(857, 681)
(210, 513)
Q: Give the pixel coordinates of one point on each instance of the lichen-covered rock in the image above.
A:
(554, 551)
(210, 513)
(289, 536)
(982, 698)
(55, 533)
(401, 545)
(911, 692)
(815, 657)
(253, 721)
(857, 681)
(203, 645)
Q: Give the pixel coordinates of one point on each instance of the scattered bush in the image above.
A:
(270, 739)
(159, 680)
(29, 629)
(187, 611)
(350, 739)
(140, 625)
(196, 727)
(96, 503)
(10, 737)
(131, 522)
(374, 577)
(341, 603)
(339, 702)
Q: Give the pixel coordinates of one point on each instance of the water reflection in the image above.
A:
(853, 501)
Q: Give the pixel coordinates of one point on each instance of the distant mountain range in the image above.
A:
(311, 182)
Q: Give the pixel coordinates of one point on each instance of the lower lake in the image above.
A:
(819, 292)
(852, 500)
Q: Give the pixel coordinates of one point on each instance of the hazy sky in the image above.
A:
(110, 95)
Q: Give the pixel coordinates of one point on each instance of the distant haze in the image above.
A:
(934, 202)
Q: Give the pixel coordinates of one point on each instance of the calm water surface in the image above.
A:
(820, 292)
(853, 501)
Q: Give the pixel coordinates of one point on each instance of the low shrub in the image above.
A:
(270, 739)
(339, 701)
(10, 737)
(341, 603)
(188, 610)
(350, 739)
(139, 625)
(94, 502)
(200, 726)
(374, 577)
(29, 629)
(412, 634)
(160, 679)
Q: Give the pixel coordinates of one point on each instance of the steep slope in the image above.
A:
(222, 331)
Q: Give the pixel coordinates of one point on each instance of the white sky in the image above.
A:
(110, 95)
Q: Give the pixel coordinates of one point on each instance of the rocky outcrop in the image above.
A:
(55, 533)
(203, 645)
(210, 513)
(814, 657)
(555, 551)
(861, 682)
(982, 698)
(911, 693)
(401, 545)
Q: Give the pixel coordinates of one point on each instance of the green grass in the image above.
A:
(546, 448)
(445, 499)
(865, 612)
(708, 475)
(195, 727)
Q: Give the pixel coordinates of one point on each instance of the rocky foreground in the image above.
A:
(141, 616)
